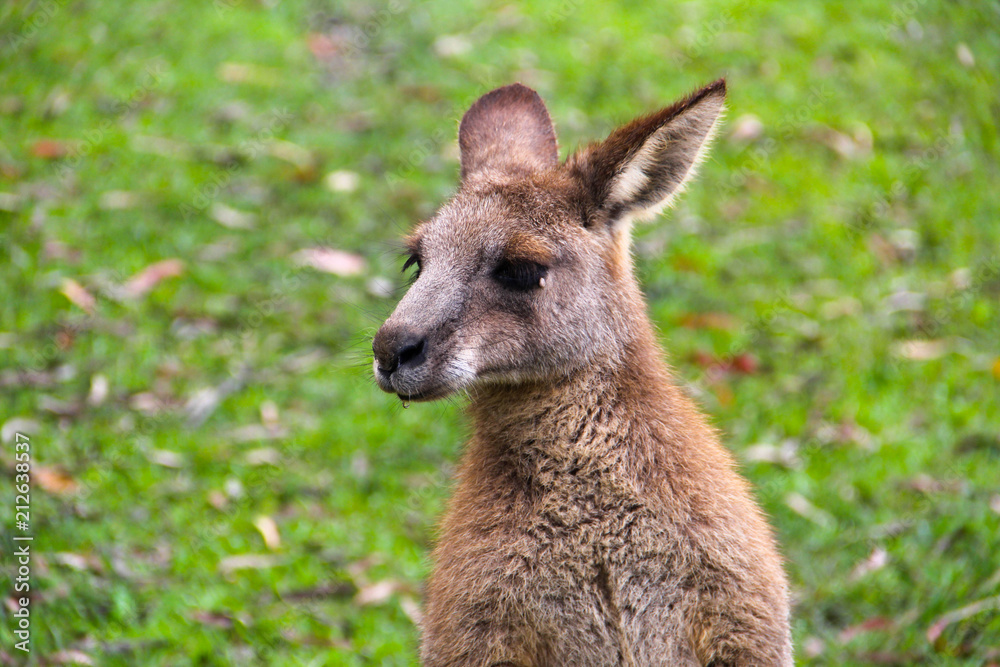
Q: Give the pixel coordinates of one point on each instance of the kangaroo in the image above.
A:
(596, 520)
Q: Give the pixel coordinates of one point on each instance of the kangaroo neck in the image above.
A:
(588, 413)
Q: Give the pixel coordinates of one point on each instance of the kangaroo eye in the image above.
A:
(520, 275)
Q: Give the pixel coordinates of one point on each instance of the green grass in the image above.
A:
(828, 242)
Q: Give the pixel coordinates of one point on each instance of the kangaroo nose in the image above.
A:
(411, 352)
(395, 351)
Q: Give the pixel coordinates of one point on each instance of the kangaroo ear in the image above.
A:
(509, 130)
(636, 171)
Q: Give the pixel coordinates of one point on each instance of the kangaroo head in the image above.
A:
(526, 274)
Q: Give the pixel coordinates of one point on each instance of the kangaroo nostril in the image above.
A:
(385, 353)
(412, 352)
(389, 368)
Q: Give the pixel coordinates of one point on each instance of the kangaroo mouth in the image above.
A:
(421, 396)
(423, 385)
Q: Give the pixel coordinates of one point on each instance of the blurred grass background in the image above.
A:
(218, 481)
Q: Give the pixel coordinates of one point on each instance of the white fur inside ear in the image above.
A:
(683, 142)
(631, 181)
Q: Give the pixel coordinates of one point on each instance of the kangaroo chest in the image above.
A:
(584, 569)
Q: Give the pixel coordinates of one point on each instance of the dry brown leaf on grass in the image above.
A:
(217, 499)
(358, 570)
(342, 180)
(69, 657)
(151, 276)
(58, 407)
(230, 217)
(98, 390)
(336, 589)
(268, 529)
(876, 624)
(804, 508)
(79, 562)
(964, 55)
(78, 295)
(784, 454)
(148, 403)
(747, 128)
(926, 484)
(214, 619)
(304, 161)
(169, 148)
(54, 249)
(247, 562)
(852, 146)
(204, 401)
(15, 425)
(269, 414)
(252, 432)
(846, 306)
(119, 200)
(10, 202)
(377, 592)
(263, 456)
(813, 647)
(412, 610)
(310, 639)
(232, 72)
(845, 432)
(906, 301)
(710, 320)
(743, 363)
(54, 481)
(22, 377)
(956, 615)
(886, 252)
(876, 560)
(322, 47)
(921, 350)
(906, 659)
(166, 458)
(452, 46)
(331, 260)
(50, 149)
(723, 393)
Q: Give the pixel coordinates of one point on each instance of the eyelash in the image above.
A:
(412, 260)
(520, 276)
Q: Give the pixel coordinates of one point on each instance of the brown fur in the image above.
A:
(528, 247)
(597, 520)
